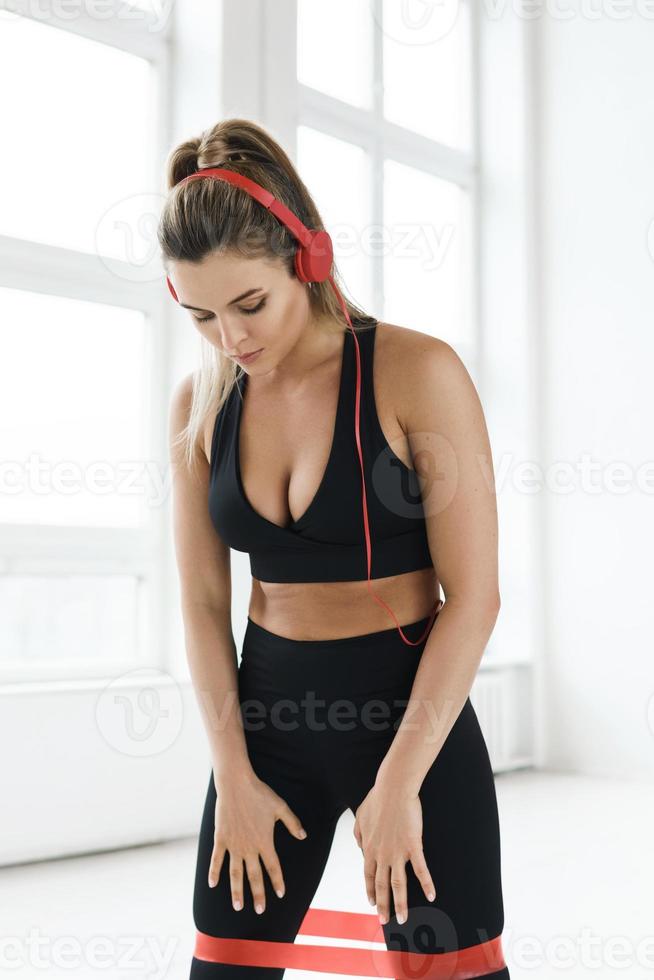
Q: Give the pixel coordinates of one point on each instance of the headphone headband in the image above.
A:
(315, 253)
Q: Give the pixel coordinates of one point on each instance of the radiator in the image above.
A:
(501, 697)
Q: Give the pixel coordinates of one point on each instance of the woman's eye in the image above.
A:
(255, 309)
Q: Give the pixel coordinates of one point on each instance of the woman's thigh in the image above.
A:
(322, 762)
(461, 844)
(302, 863)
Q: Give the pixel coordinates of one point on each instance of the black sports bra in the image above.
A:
(327, 543)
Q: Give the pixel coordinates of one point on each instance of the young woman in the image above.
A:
(331, 706)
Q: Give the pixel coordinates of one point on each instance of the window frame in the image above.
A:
(283, 103)
(46, 549)
(287, 103)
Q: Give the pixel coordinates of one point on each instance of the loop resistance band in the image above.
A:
(462, 964)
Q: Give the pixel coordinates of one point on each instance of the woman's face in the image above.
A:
(272, 316)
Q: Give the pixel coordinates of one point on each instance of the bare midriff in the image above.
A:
(334, 610)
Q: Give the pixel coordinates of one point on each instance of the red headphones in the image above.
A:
(313, 261)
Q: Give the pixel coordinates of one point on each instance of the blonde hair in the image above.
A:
(205, 216)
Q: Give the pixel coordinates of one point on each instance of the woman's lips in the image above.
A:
(247, 358)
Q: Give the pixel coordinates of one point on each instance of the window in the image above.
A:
(344, 209)
(426, 269)
(81, 377)
(344, 27)
(427, 70)
(394, 113)
(76, 149)
(73, 392)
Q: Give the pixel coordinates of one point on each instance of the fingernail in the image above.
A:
(303, 833)
(401, 918)
(237, 905)
(259, 909)
(212, 882)
(382, 918)
(280, 892)
(431, 896)
(372, 901)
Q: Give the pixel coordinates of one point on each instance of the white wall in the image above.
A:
(596, 198)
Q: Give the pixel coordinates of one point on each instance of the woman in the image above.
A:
(265, 461)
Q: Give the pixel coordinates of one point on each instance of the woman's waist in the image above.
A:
(342, 610)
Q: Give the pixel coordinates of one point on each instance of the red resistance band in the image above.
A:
(461, 964)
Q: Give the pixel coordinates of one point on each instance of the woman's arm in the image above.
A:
(246, 809)
(205, 582)
(444, 421)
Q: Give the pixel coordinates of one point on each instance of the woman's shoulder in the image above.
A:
(181, 406)
(413, 365)
(405, 350)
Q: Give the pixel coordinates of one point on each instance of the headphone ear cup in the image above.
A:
(299, 272)
(313, 262)
(172, 290)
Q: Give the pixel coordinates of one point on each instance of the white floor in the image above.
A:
(578, 869)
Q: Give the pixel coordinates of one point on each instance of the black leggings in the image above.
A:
(317, 733)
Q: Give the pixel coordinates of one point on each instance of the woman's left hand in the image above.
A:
(388, 829)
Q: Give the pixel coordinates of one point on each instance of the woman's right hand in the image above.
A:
(245, 816)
